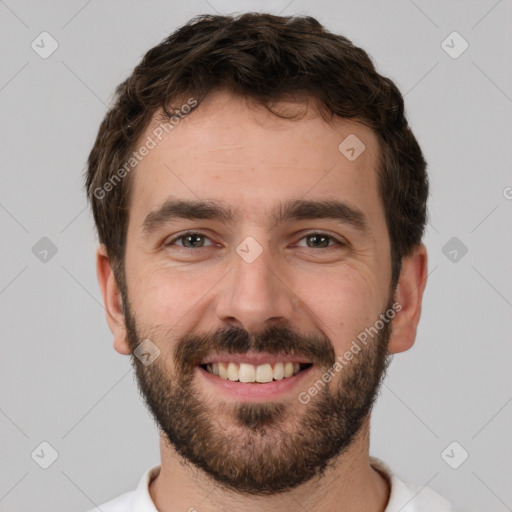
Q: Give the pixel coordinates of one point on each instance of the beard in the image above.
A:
(257, 448)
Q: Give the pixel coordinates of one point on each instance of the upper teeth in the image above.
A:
(253, 373)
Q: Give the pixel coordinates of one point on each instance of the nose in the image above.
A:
(255, 294)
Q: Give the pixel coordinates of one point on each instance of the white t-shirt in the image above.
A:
(404, 497)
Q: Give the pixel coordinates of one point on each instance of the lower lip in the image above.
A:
(254, 390)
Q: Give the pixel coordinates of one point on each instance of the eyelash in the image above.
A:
(188, 233)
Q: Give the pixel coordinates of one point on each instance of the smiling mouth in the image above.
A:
(250, 373)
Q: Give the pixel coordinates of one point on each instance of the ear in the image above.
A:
(112, 300)
(409, 294)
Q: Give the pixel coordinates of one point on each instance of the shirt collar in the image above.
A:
(142, 501)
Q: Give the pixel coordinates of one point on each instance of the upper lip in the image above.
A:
(255, 359)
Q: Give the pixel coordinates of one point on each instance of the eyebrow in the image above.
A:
(298, 209)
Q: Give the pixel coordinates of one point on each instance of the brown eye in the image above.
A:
(320, 241)
(190, 240)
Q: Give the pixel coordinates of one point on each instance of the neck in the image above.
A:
(350, 483)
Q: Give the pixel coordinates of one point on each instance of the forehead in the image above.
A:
(241, 154)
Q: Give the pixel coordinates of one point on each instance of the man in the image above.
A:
(260, 202)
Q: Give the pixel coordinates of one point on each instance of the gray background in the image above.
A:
(60, 379)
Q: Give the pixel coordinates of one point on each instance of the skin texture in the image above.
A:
(231, 151)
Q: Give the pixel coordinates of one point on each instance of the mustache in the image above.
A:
(275, 340)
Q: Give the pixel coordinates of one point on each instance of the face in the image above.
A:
(251, 297)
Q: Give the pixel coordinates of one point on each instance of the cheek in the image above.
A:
(173, 299)
(343, 304)
(161, 296)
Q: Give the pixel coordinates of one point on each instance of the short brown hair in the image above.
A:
(264, 58)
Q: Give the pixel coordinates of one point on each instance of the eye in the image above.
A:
(191, 240)
(321, 240)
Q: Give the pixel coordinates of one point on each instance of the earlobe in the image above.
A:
(112, 300)
(409, 295)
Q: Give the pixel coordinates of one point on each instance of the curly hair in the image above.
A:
(263, 58)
